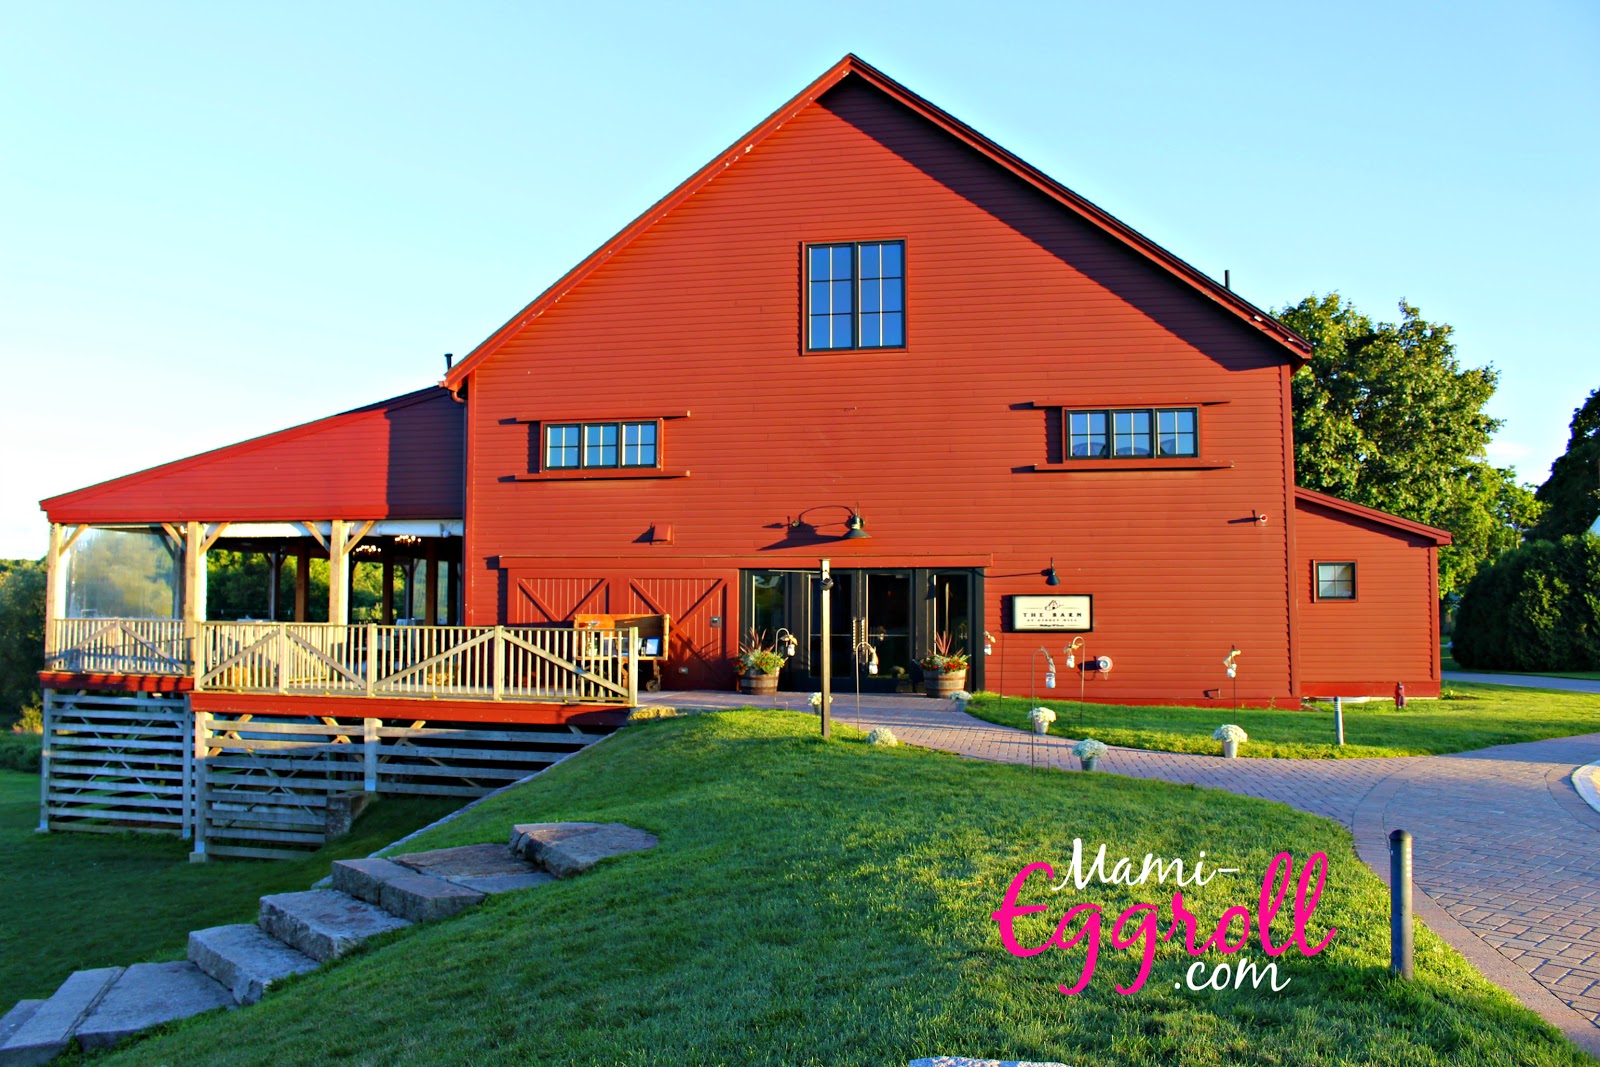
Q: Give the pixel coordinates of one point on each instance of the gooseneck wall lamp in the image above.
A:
(1050, 575)
(855, 526)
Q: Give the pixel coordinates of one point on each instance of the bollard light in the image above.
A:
(1400, 947)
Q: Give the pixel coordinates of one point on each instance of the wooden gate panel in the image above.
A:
(700, 653)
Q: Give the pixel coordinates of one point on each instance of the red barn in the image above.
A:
(864, 333)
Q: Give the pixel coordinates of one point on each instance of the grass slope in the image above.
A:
(828, 903)
(94, 900)
(1472, 716)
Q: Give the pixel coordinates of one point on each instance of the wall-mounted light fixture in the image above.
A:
(855, 525)
(1050, 575)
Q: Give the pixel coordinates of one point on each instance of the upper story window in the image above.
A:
(571, 446)
(855, 295)
(1336, 581)
(1134, 434)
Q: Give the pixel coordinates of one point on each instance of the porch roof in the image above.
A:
(401, 458)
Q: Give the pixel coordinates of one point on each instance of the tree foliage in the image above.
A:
(1534, 609)
(21, 636)
(1571, 495)
(1386, 416)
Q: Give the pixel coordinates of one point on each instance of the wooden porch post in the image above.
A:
(388, 583)
(55, 584)
(274, 574)
(194, 583)
(430, 607)
(339, 572)
(302, 580)
(408, 599)
(451, 582)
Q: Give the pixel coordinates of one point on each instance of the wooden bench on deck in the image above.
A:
(654, 634)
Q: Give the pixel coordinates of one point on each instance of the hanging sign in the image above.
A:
(1045, 613)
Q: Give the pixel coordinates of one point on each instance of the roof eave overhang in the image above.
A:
(1383, 518)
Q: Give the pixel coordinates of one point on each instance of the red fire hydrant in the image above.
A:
(1399, 694)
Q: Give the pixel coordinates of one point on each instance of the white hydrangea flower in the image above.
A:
(883, 736)
(1230, 732)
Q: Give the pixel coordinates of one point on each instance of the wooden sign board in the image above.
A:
(1071, 613)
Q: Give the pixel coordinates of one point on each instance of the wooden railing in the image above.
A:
(540, 663)
(120, 646)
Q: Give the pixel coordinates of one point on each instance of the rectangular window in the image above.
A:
(1336, 581)
(638, 444)
(855, 295)
(561, 446)
(1132, 434)
(1087, 435)
(572, 446)
(1176, 432)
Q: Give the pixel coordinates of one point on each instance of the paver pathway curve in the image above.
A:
(1507, 854)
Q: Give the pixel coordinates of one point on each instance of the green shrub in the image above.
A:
(20, 752)
(1536, 608)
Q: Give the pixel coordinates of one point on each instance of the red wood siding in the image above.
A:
(397, 459)
(1011, 299)
(1390, 632)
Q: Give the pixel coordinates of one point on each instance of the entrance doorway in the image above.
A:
(891, 615)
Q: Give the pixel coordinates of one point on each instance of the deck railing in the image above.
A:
(120, 646)
(542, 663)
(529, 663)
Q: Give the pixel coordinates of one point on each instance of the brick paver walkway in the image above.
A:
(1507, 855)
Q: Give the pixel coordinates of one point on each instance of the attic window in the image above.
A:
(855, 295)
(1336, 581)
(573, 446)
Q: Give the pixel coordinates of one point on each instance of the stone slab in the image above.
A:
(529, 840)
(149, 994)
(47, 1031)
(485, 868)
(422, 898)
(364, 879)
(324, 923)
(576, 854)
(490, 884)
(20, 1013)
(1586, 780)
(245, 959)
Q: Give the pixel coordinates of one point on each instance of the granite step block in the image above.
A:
(324, 923)
(566, 848)
(402, 891)
(20, 1012)
(149, 994)
(488, 869)
(245, 959)
(46, 1032)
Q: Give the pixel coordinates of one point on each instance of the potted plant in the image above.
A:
(1231, 737)
(944, 670)
(1041, 718)
(1089, 752)
(758, 666)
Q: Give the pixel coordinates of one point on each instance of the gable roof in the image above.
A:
(1382, 518)
(401, 458)
(1296, 347)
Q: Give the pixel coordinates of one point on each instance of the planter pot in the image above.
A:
(945, 685)
(758, 684)
(1041, 727)
(1089, 762)
(1230, 749)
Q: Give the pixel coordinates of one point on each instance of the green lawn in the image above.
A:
(1471, 716)
(1448, 662)
(75, 900)
(828, 903)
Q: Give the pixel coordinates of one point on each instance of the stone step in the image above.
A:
(403, 891)
(488, 869)
(46, 1032)
(20, 1013)
(568, 848)
(149, 994)
(324, 923)
(245, 959)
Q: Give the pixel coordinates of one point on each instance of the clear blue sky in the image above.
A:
(223, 219)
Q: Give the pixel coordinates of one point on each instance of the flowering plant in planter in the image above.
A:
(1041, 718)
(1089, 748)
(816, 700)
(961, 696)
(882, 736)
(756, 658)
(1231, 737)
(941, 660)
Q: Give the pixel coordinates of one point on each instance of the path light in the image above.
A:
(786, 642)
(988, 643)
(1072, 652)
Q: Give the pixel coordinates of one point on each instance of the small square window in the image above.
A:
(561, 447)
(1336, 581)
(1175, 432)
(600, 444)
(1132, 433)
(855, 295)
(1087, 435)
(638, 444)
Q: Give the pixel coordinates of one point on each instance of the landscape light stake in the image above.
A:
(827, 650)
(1338, 720)
(1400, 904)
(1033, 690)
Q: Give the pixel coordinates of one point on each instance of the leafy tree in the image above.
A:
(1534, 609)
(21, 636)
(1385, 415)
(1571, 495)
